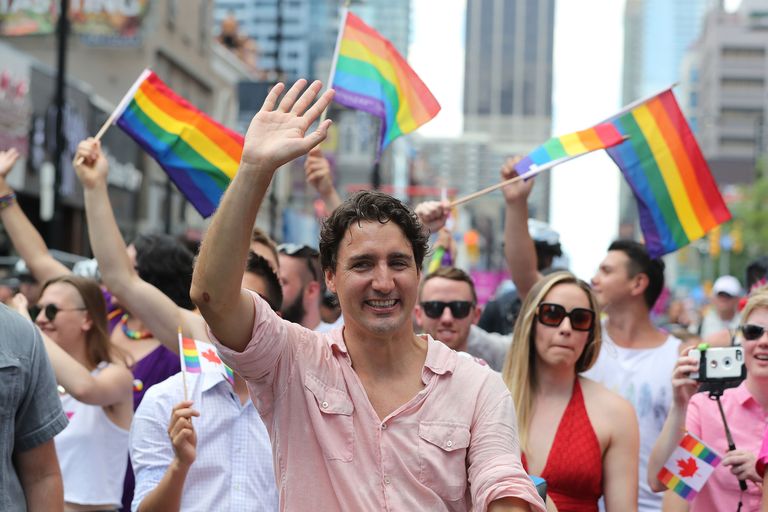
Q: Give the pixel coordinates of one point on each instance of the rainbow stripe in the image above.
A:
(229, 374)
(199, 155)
(674, 483)
(190, 356)
(677, 197)
(371, 75)
(698, 449)
(598, 137)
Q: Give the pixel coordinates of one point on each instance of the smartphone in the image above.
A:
(719, 364)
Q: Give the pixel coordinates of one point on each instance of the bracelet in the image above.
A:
(7, 200)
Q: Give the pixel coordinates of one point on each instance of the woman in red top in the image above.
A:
(576, 434)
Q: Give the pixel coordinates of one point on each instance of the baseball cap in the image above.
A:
(541, 232)
(728, 285)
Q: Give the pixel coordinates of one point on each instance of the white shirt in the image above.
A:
(233, 469)
(91, 453)
(644, 377)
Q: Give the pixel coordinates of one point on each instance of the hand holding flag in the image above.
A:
(688, 468)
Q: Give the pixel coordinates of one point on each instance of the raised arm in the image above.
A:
(156, 310)
(110, 387)
(275, 137)
(519, 249)
(318, 172)
(26, 239)
(683, 388)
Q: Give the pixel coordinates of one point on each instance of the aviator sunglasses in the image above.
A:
(752, 332)
(552, 315)
(459, 308)
(50, 311)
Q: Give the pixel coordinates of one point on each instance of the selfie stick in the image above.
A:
(715, 395)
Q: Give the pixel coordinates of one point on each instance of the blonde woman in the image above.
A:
(576, 434)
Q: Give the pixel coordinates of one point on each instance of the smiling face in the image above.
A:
(376, 279)
(562, 345)
(756, 351)
(446, 328)
(70, 325)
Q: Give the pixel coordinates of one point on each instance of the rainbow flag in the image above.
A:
(199, 155)
(688, 468)
(677, 197)
(190, 357)
(574, 144)
(371, 75)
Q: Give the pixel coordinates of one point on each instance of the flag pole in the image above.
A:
(336, 50)
(183, 366)
(533, 171)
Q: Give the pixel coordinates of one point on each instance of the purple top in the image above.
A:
(155, 367)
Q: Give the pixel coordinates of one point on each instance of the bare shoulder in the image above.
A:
(599, 398)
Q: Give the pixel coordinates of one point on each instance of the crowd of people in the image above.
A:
(360, 380)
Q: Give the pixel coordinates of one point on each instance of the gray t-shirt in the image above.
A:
(30, 409)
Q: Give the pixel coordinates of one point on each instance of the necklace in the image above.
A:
(134, 335)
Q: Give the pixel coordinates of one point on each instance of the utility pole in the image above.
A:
(55, 226)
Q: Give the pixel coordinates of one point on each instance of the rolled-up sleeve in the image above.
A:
(151, 450)
(267, 361)
(495, 469)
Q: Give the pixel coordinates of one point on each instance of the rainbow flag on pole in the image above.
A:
(677, 197)
(688, 468)
(574, 144)
(199, 155)
(370, 75)
(190, 357)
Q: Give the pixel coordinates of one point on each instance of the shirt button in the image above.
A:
(383, 426)
(449, 443)
(324, 405)
(387, 481)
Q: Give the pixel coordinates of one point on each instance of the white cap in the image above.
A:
(727, 284)
(541, 232)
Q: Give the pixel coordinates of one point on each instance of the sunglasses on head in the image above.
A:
(552, 315)
(50, 311)
(752, 332)
(301, 251)
(459, 308)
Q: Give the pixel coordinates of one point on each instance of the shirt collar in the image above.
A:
(742, 394)
(440, 359)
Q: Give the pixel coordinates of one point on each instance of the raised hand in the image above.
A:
(182, 434)
(684, 387)
(433, 214)
(90, 163)
(518, 191)
(318, 172)
(278, 135)
(7, 160)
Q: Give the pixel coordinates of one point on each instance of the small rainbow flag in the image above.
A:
(601, 136)
(688, 468)
(677, 197)
(229, 374)
(190, 357)
(371, 75)
(199, 155)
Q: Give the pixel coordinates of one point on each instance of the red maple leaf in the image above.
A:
(687, 467)
(211, 356)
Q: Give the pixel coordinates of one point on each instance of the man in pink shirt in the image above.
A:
(371, 417)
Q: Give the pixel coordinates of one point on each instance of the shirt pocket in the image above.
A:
(443, 457)
(330, 410)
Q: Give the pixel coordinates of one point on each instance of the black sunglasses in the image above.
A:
(459, 308)
(752, 332)
(50, 311)
(301, 251)
(552, 315)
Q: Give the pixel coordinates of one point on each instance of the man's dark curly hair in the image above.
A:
(368, 206)
(166, 264)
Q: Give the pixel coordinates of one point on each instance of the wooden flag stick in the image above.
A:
(101, 132)
(534, 170)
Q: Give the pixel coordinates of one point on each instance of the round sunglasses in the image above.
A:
(459, 308)
(50, 311)
(552, 315)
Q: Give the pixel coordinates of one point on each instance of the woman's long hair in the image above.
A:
(98, 348)
(519, 371)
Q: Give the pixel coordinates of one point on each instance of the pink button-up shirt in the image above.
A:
(452, 446)
(747, 421)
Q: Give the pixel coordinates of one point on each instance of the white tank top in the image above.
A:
(93, 454)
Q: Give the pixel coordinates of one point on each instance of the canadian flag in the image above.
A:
(688, 468)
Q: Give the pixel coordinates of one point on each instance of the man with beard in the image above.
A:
(302, 284)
